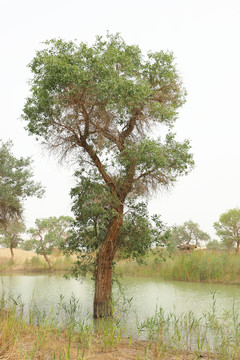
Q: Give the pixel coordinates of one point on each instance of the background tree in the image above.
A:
(16, 185)
(49, 234)
(215, 245)
(27, 245)
(228, 228)
(188, 234)
(101, 103)
(10, 234)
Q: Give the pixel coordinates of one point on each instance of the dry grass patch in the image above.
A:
(21, 341)
(20, 256)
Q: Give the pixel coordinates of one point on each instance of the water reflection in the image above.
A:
(180, 297)
(146, 294)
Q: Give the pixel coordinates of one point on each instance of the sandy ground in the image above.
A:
(123, 351)
(20, 256)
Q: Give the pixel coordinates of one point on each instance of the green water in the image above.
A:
(146, 294)
(138, 302)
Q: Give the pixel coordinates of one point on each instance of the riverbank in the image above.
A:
(38, 344)
(40, 322)
(197, 266)
(21, 339)
(30, 262)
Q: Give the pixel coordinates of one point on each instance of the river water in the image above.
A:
(138, 300)
(146, 294)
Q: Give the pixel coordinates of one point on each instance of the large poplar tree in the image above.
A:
(105, 104)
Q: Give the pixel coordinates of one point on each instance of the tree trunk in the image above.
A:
(237, 248)
(103, 275)
(12, 253)
(48, 261)
(43, 252)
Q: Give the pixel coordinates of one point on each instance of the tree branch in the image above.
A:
(128, 129)
(143, 175)
(108, 180)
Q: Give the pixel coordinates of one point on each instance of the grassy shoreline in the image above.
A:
(29, 262)
(63, 334)
(197, 266)
(31, 342)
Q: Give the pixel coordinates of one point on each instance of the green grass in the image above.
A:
(196, 266)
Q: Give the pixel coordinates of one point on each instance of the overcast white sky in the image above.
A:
(204, 36)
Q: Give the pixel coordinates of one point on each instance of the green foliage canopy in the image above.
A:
(188, 233)
(228, 228)
(10, 235)
(215, 245)
(104, 104)
(102, 101)
(92, 206)
(16, 184)
(50, 233)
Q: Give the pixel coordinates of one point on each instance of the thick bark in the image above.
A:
(103, 276)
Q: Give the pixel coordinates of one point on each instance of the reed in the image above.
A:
(36, 264)
(197, 266)
(65, 332)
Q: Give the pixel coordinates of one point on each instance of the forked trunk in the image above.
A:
(103, 276)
